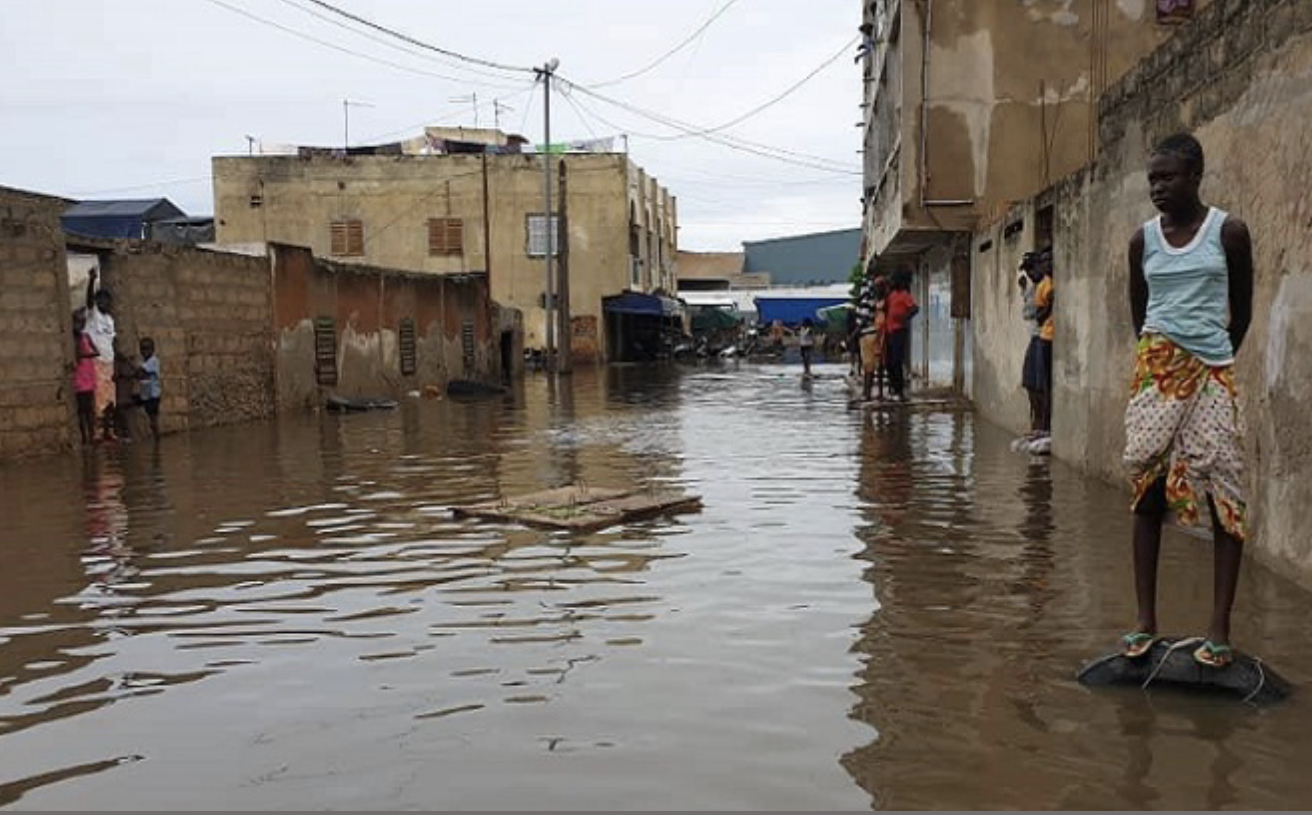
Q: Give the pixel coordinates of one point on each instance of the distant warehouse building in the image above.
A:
(806, 259)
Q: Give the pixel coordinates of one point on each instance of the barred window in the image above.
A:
(446, 236)
(537, 235)
(347, 238)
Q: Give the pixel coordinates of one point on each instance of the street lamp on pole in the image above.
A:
(545, 73)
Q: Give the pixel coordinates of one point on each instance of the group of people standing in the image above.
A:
(882, 331)
(107, 382)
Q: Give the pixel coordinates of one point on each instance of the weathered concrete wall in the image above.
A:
(209, 314)
(292, 200)
(1240, 77)
(36, 403)
(1011, 88)
(1000, 334)
(366, 307)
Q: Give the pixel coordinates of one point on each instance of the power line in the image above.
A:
(334, 46)
(413, 41)
(383, 41)
(777, 98)
(737, 144)
(142, 187)
(667, 55)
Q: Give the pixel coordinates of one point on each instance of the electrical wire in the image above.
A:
(408, 51)
(420, 43)
(773, 100)
(667, 55)
(142, 187)
(311, 38)
(737, 144)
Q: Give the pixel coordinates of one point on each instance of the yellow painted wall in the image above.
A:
(395, 196)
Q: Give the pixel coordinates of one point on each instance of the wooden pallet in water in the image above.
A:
(580, 508)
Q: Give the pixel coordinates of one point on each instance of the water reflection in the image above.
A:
(987, 606)
(871, 609)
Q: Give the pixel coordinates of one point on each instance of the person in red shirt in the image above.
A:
(901, 308)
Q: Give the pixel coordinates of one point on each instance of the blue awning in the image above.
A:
(791, 310)
(642, 305)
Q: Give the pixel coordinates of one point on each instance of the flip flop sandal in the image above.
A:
(1135, 645)
(1215, 656)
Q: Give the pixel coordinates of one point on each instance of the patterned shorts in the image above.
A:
(1183, 425)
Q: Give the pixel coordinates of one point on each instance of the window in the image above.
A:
(446, 237)
(406, 344)
(347, 238)
(537, 235)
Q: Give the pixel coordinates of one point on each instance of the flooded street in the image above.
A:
(870, 611)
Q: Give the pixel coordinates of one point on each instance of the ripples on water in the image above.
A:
(871, 610)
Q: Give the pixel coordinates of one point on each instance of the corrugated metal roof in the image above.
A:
(159, 208)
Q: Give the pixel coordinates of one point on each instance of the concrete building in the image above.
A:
(716, 271)
(969, 106)
(461, 213)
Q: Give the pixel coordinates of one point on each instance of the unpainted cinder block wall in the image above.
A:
(36, 349)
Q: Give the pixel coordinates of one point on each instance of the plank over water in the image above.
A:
(576, 507)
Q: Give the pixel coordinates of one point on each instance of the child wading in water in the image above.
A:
(84, 376)
(1190, 269)
(806, 344)
(149, 390)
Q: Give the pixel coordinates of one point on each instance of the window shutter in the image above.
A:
(446, 236)
(347, 238)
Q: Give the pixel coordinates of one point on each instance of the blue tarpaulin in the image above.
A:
(791, 310)
(642, 304)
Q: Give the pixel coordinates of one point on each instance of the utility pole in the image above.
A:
(563, 362)
(545, 73)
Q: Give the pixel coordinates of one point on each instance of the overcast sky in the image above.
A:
(131, 98)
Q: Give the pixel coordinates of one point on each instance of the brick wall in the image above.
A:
(210, 315)
(36, 406)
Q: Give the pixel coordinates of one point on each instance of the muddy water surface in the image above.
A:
(871, 611)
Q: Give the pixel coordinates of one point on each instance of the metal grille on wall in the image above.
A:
(406, 343)
(467, 346)
(325, 351)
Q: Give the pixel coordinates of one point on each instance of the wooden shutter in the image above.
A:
(446, 236)
(325, 351)
(407, 346)
(347, 238)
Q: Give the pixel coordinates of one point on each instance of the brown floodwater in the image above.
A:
(870, 611)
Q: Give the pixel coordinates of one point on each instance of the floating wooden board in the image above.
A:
(575, 507)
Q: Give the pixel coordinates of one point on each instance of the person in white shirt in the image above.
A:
(100, 327)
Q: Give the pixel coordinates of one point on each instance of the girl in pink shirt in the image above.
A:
(84, 376)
